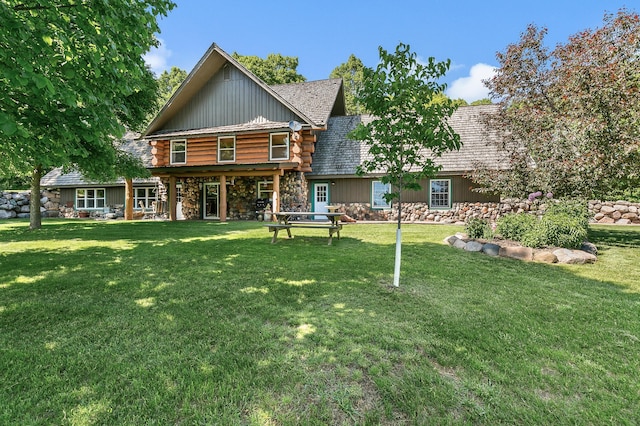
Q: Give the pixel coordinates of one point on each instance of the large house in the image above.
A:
(226, 144)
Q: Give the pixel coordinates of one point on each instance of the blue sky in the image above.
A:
(322, 34)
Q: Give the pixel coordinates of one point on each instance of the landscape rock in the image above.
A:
(473, 246)
(576, 257)
(458, 243)
(589, 248)
(451, 239)
(521, 253)
(491, 249)
(545, 257)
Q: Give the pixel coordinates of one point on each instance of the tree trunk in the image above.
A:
(35, 217)
(396, 271)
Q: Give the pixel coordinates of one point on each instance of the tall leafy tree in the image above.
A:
(351, 73)
(274, 69)
(408, 131)
(569, 118)
(168, 83)
(70, 91)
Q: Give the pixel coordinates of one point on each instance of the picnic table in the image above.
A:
(288, 220)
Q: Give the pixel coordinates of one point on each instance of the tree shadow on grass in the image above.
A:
(214, 324)
(615, 236)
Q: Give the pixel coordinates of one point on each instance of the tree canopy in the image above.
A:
(408, 131)
(70, 91)
(569, 118)
(274, 69)
(351, 73)
(168, 83)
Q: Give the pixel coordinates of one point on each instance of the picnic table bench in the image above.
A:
(286, 221)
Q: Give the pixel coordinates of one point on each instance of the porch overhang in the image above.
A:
(260, 169)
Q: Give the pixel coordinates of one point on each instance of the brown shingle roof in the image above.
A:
(336, 154)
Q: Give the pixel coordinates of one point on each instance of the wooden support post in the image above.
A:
(276, 193)
(223, 198)
(128, 199)
(172, 198)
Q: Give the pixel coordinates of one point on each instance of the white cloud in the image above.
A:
(157, 57)
(471, 88)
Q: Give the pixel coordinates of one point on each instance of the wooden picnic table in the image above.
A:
(288, 220)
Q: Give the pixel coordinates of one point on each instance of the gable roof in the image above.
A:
(140, 148)
(312, 102)
(337, 155)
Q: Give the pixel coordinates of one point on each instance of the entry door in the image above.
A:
(211, 201)
(320, 199)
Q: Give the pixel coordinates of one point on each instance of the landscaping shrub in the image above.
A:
(478, 228)
(564, 224)
(513, 226)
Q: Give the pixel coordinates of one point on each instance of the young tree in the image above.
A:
(408, 131)
(275, 69)
(351, 73)
(69, 92)
(569, 117)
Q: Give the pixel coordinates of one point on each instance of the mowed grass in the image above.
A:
(135, 323)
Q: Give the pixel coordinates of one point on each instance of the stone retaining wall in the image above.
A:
(620, 212)
(16, 204)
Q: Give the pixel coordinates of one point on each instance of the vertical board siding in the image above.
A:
(224, 102)
(359, 191)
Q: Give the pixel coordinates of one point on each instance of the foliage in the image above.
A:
(352, 74)
(478, 228)
(407, 132)
(484, 101)
(69, 93)
(564, 224)
(569, 117)
(274, 69)
(168, 83)
(439, 98)
(513, 226)
(109, 326)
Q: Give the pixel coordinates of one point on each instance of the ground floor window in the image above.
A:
(440, 194)
(93, 198)
(144, 197)
(378, 191)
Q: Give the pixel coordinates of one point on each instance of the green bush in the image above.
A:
(478, 228)
(514, 226)
(557, 230)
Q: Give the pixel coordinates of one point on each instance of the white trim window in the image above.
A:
(146, 195)
(440, 194)
(279, 146)
(179, 151)
(226, 149)
(90, 198)
(378, 191)
(265, 188)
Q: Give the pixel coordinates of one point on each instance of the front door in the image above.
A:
(211, 201)
(320, 199)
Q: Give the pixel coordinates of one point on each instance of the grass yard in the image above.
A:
(140, 323)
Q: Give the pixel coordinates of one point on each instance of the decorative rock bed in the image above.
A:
(504, 248)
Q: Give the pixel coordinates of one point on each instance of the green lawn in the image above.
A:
(206, 323)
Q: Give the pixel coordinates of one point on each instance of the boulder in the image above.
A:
(7, 214)
(491, 249)
(451, 239)
(459, 244)
(576, 257)
(521, 253)
(473, 246)
(589, 248)
(545, 257)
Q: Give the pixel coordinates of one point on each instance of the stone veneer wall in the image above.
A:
(620, 212)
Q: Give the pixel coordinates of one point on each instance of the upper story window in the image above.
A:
(93, 198)
(178, 152)
(279, 146)
(226, 148)
(440, 194)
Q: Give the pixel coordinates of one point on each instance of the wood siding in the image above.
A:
(222, 102)
(252, 148)
(353, 190)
